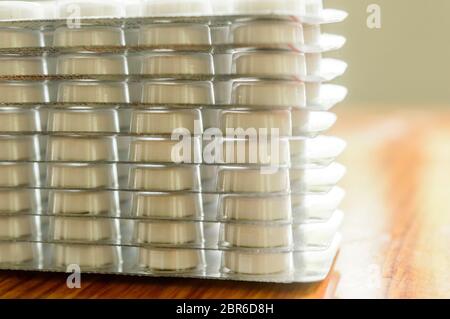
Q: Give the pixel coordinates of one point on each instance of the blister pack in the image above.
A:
(180, 138)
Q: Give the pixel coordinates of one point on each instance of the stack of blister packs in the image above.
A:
(170, 138)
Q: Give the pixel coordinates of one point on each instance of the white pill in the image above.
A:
(83, 202)
(80, 149)
(173, 233)
(86, 256)
(82, 175)
(22, 66)
(23, 92)
(241, 179)
(270, 64)
(19, 174)
(164, 205)
(93, 92)
(182, 92)
(255, 208)
(165, 121)
(164, 178)
(174, 34)
(165, 150)
(81, 119)
(269, 93)
(177, 64)
(268, 33)
(19, 148)
(261, 263)
(88, 36)
(90, 64)
(84, 229)
(17, 253)
(256, 235)
(19, 201)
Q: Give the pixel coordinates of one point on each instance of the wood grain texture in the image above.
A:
(396, 231)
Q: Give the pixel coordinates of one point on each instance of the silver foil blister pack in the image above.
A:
(110, 156)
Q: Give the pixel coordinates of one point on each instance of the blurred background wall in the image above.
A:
(406, 62)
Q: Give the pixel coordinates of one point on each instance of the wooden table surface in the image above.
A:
(396, 231)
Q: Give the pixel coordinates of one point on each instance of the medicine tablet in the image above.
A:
(256, 235)
(173, 233)
(165, 121)
(91, 64)
(93, 92)
(84, 229)
(252, 180)
(255, 208)
(17, 253)
(181, 92)
(80, 149)
(82, 176)
(170, 259)
(83, 119)
(260, 263)
(88, 36)
(62, 202)
(174, 34)
(164, 178)
(166, 205)
(86, 256)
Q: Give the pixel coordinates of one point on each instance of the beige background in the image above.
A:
(407, 61)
